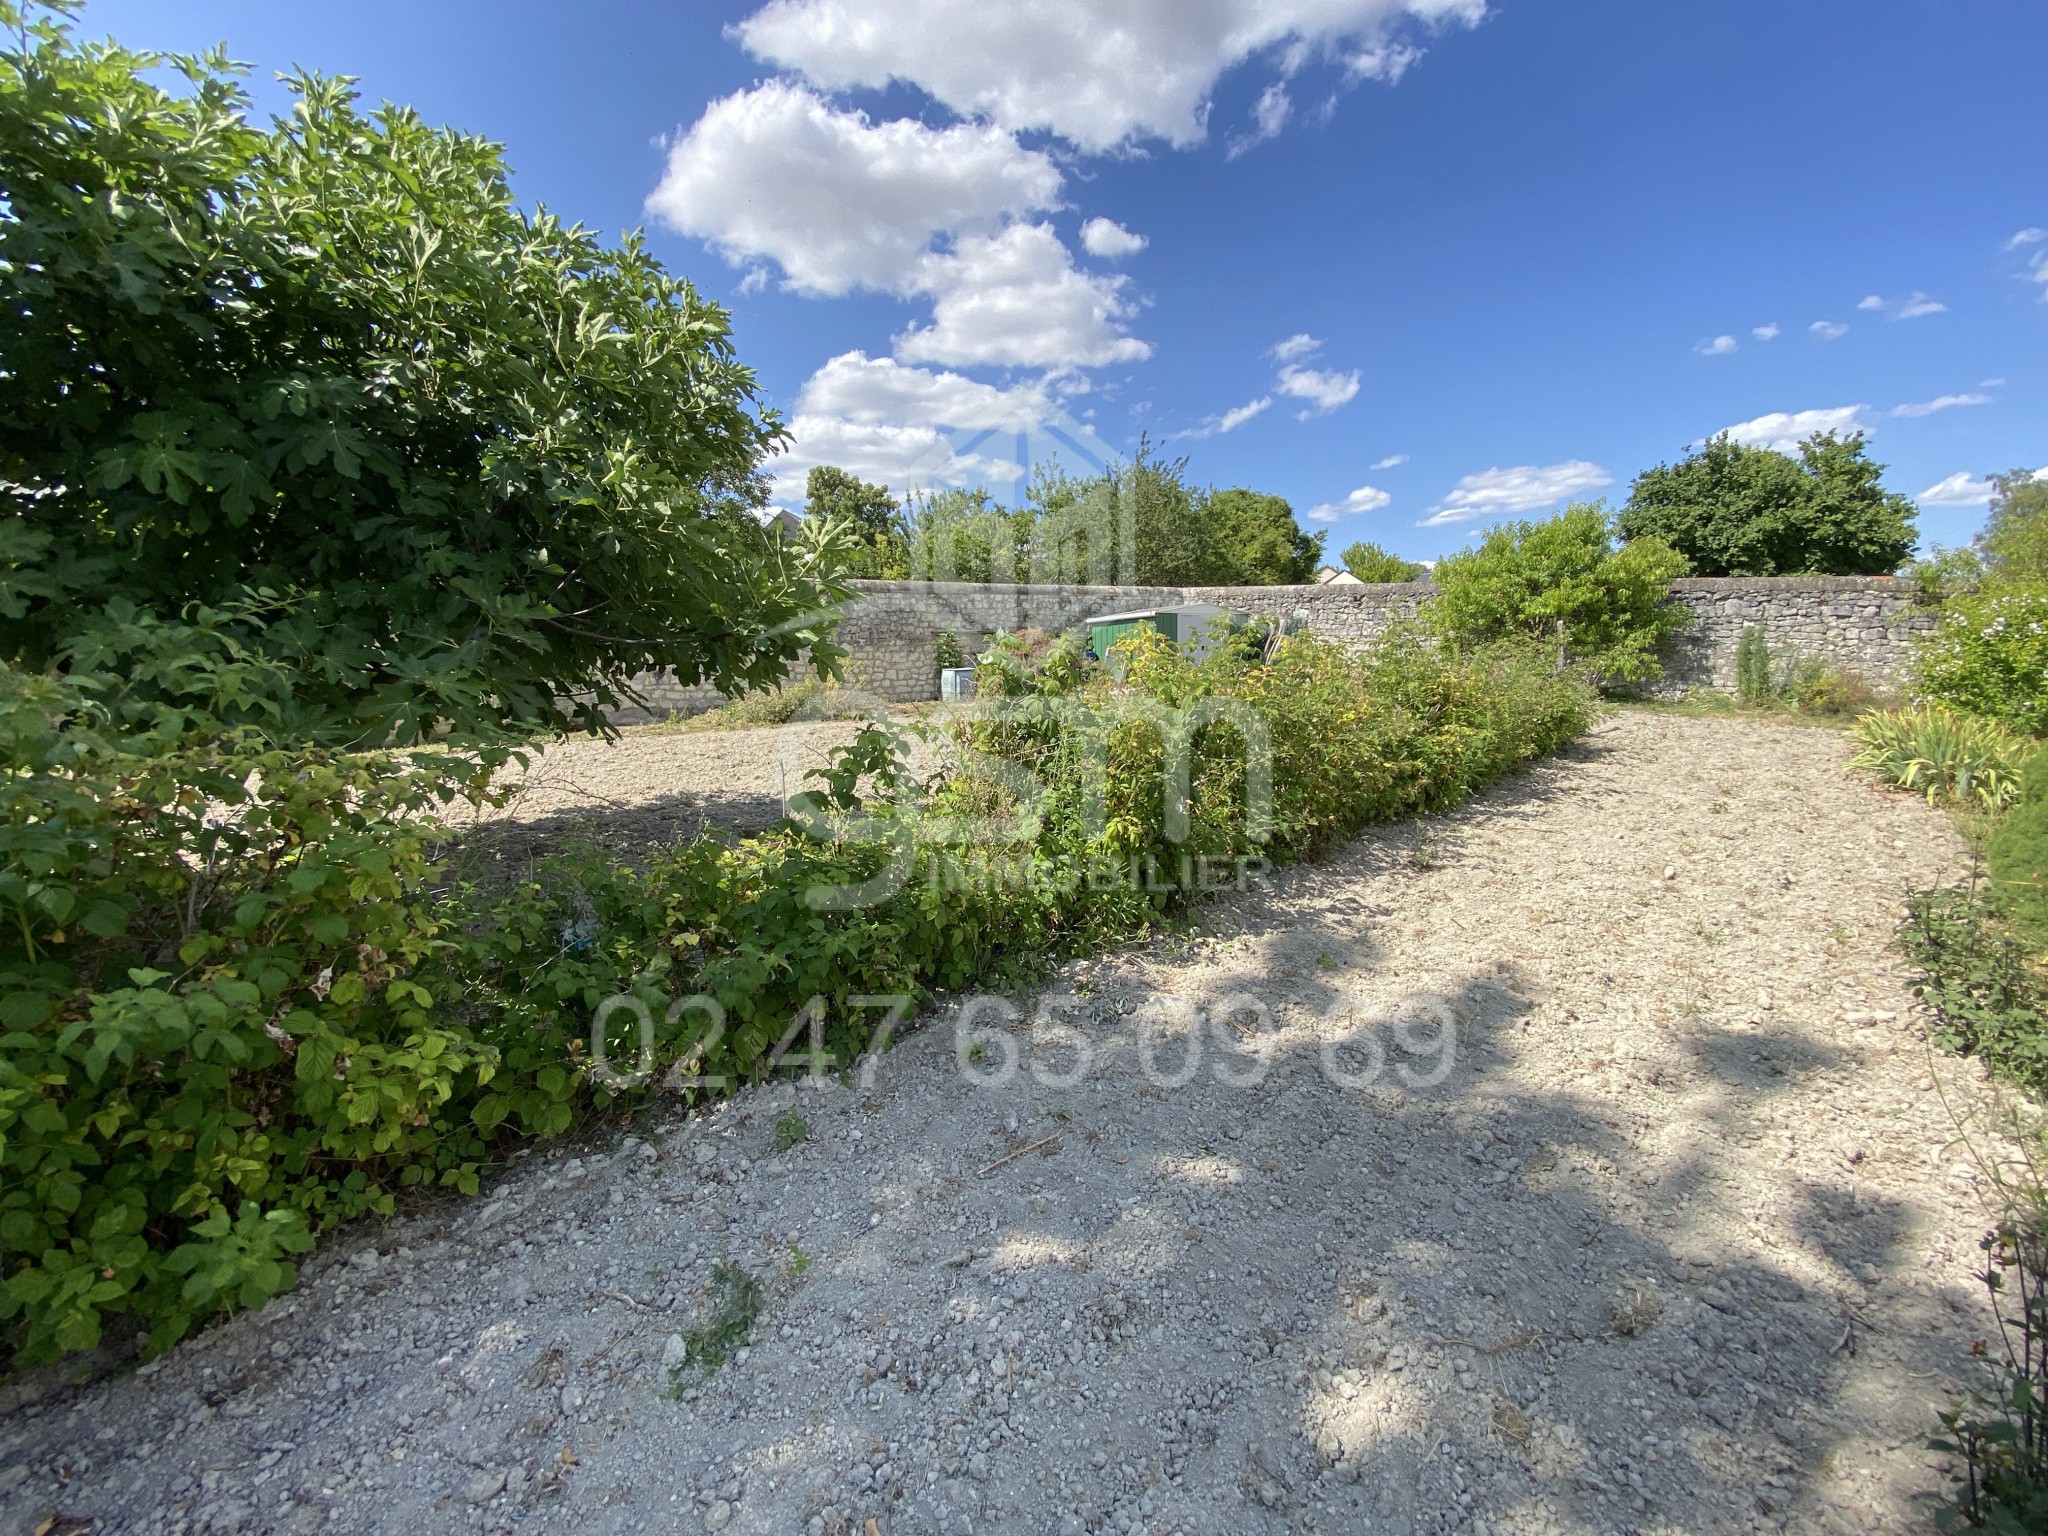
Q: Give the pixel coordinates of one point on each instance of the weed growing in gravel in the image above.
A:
(790, 1130)
(736, 1302)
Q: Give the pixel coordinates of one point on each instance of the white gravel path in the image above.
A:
(1677, 1244)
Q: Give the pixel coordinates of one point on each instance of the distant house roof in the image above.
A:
(1331, 576)
(785, 522)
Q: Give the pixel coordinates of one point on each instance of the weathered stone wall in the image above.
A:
(1863, 624)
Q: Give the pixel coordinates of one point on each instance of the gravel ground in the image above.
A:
(650, 786)
(1674, 1240)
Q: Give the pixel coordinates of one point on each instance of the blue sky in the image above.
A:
(1415, 265)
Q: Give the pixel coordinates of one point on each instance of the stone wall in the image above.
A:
(1862, 624)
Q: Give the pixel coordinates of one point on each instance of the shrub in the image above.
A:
(1950, 758)
(1735, 510)
(1980, 983)
(241, 1004)
(1989, 657)
(946, 652)
(808, 698)
(1562, 584)
(323, 395)
(221, 1027)
(1370, 563)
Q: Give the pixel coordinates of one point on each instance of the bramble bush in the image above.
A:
(243, 1003)
(1564, 584)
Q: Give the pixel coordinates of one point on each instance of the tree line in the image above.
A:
(1727, 509)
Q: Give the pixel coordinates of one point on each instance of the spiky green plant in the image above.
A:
(1950, 758)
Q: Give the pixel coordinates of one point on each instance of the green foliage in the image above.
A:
(963, 535)
(243, 1005)
(1950, 758)
(946, 652)
(1370, 563)
(1734, 510)
(2017, 857)
(736, 1303)
(791, 1130)
(1562, 584)
(1944, 574)
(1753, 681)
(809, 698)
(1989, 657)
(310, 427)
(2002, 1484)
(2015, 537)
(221, 1031)
(1256, 541)
(1981, 984)
(877, 542)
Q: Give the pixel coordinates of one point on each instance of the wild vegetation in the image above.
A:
(1734, 510)
(1139, 522)
(1563, 584)
(1370, 563)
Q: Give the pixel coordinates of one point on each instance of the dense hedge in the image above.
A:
(242, 1003)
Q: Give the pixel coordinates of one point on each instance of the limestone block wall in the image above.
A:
(1864, 624)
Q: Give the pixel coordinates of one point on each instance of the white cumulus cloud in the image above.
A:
(886, 422)
(1367, 498)
(1323, 388)
(1717, 346)
(1828, 330)
(837, 201)
(1958, 490)
(1015, 299)
(1099, 73)
(1784, 431)
(1110, 240)
(2026, 237)
(1391, 461)
(1765, 332)
(1296, 347)
(1506, 492)
(1943, 403)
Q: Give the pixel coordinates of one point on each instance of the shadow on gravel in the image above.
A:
(1549, 1316)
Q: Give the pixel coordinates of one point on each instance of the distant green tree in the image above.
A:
(879, 546)
(1255, 541)
(1562, 584)
(965, 535)
(1734, 510)
(2015, 538)
(1368, 562)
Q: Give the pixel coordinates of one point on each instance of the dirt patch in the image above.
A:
(1594, 1180)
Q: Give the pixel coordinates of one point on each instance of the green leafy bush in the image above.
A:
(1753, 681)
(1981, 983)
(2016, 856)
(1370, 563)
(241, 1004)
(1989, 657)
(321, 397)
(808, 698)
(1563, 584)
(1952, 759)
(2002, 1442)
(1735, 510)
(221, 1030)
